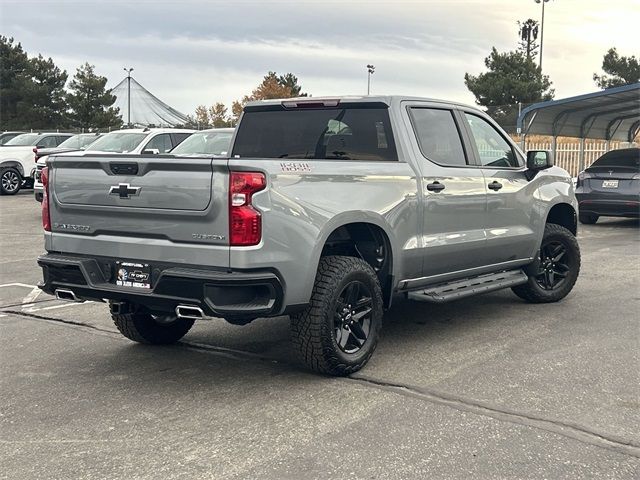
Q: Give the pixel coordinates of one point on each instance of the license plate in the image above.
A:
(131, 274)
(610, 184)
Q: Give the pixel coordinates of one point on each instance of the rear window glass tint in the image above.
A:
(622, 158)
(334, 134)
(438, 136)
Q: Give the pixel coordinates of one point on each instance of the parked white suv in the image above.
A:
(130, 140)
(141, 140)
(17, 164)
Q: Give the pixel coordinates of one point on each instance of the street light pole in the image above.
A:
(128, 70)
(370, 71)
(541, 29)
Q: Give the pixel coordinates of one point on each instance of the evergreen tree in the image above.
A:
(620, 70)
(43, 104)
(31, 90)
(14, 76)
(511, 78)
(89, 102)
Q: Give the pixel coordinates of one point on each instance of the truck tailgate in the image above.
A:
(171, 209)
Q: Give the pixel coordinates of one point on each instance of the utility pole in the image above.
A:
(128, 70)
(541, 29)
(370, 71)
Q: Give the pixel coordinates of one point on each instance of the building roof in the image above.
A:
(146, 109)
(611, 114)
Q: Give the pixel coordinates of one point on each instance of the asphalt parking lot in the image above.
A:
(488, 387)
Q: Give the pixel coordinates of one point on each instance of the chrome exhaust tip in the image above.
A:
(66, 295)
(190, 312)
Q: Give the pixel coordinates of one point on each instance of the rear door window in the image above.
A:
(347, 132)
(48, 142)
(178, 138)
(161, 142)
(438, 136)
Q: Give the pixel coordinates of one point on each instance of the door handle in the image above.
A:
(435, 186)
(495, 185)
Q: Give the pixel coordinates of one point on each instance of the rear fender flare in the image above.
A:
(346, 218)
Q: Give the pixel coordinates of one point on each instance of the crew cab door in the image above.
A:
(453, 192)
(511, 216)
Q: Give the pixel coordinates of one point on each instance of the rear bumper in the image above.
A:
(614, 207)
(217, 292)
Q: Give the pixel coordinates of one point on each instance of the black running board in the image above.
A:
(446, 292)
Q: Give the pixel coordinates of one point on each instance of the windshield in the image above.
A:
(205, 143)
(118, 142)
(79, 141)
(23, 140)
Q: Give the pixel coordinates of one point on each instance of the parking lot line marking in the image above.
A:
(53, 307)
(32, 296)
(17, 285)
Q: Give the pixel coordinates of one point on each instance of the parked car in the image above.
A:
(17, 166)
(6, 136)
(77, 142)
(215, 141)
(323, 210)
(610, 187)
(141, 140)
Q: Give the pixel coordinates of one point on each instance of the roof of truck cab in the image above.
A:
(216, 130)
(386, 99)
(154, 130)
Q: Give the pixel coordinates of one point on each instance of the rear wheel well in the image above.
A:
(13, 164)
(368, 242)
(564, 215)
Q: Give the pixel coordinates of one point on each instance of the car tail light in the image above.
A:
(581, 177)
(245, 222)
(46, 219)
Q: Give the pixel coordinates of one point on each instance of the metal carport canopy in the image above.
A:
(611, 114)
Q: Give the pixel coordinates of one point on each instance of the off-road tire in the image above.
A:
(588, 218)
(531, 291)
(312, 330)
(15, 174)
(141, 327)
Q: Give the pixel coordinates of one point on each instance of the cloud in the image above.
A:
(190, 52)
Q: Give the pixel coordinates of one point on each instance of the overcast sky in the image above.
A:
(192, 52)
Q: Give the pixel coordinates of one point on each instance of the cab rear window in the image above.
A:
(359, 132)
(628, 158)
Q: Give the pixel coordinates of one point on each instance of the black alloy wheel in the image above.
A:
(554, 265)
(353, 314)
(552, 276)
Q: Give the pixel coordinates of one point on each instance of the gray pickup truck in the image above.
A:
(324, 210)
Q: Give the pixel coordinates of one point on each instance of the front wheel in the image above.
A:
(142, 327)
(556, 270)
(10, 181)
(339, 330)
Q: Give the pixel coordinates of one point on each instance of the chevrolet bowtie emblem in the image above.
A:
(124, 190)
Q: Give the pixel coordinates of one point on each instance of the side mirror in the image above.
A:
(538, 160)
(151, 151)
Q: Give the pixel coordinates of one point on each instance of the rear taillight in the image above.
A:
(245, 222)
(580, 180)
(46, 219)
